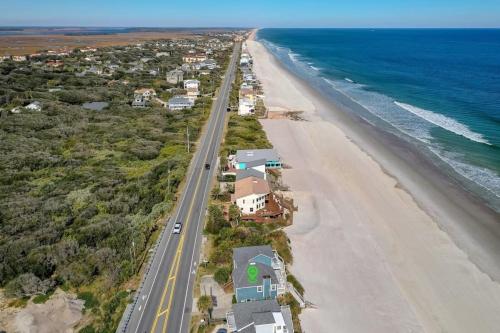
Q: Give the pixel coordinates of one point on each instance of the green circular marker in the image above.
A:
(252, 273)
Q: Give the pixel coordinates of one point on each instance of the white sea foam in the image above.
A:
(293, 56)
(348, 80)
(315, 68)
(442, 121)
(486, 178)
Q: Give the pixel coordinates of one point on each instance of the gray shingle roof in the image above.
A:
(242, 174)
(251, 164)
(242, 257)
(248, 314)
(248, 155)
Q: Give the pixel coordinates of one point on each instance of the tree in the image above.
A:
(234, 214)
(221, 275)
(216, 220)
(205, 305)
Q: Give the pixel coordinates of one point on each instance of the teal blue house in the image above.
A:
(251, 158)
(258, 273)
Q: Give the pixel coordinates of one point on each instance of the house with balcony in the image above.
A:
(251, 194)
(260, 317)
(268, 278)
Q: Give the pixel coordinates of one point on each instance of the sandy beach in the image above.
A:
(379, 244)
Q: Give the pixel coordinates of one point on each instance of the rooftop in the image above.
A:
(245, 316)
(250, 185)
(244, 256)
(247, 155)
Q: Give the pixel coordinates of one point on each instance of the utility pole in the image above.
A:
(187, 135)
(168, 181)
(133, 255)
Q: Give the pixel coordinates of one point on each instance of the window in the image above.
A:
(251, 210)
(259, 289)
(243, 200)
(273, 287)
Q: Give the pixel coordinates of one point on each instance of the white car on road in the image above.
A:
(177, 228)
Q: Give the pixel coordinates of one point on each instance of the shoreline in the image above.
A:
(441, 207)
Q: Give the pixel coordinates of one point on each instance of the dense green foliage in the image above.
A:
(244, 132)
(82, 191)
(216, 220)
(221, 275)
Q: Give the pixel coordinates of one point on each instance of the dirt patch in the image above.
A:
(292, 115)
(61, 313)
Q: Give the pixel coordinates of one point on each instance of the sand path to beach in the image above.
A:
(368, 256)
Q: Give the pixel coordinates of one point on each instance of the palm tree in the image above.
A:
(205, 305)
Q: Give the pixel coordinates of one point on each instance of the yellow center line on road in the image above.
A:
(177, 259)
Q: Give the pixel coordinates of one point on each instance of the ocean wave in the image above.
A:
(315, 68)
(348, 80)
(442, 121)
(485, 178)
(293, 56)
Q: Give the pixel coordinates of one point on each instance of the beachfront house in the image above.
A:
(180, 103)
(245, 59)
(258, 273)
(245, 173)
(175, 76)
(250, 194)
(246, 107)
(247, 91)
(260, 317)
(244, 157)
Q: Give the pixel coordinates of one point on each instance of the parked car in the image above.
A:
(207, 166)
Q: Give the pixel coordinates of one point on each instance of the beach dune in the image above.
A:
(370, 257)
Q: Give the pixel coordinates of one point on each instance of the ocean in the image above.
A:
(438, 89)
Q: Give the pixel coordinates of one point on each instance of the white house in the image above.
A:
(246, 106)
(180, 103)
(192, 58)
(192, 89)
(250, 194)
(191, 84)
(146, 93)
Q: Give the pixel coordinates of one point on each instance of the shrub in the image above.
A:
(222, 275)
(293, 280)
(87, 329)
(89, 299)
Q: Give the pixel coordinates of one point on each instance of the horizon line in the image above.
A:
(232, 27)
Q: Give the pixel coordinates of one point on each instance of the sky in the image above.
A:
(252, 13)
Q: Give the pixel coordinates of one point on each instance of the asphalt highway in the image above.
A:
(165, 300)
